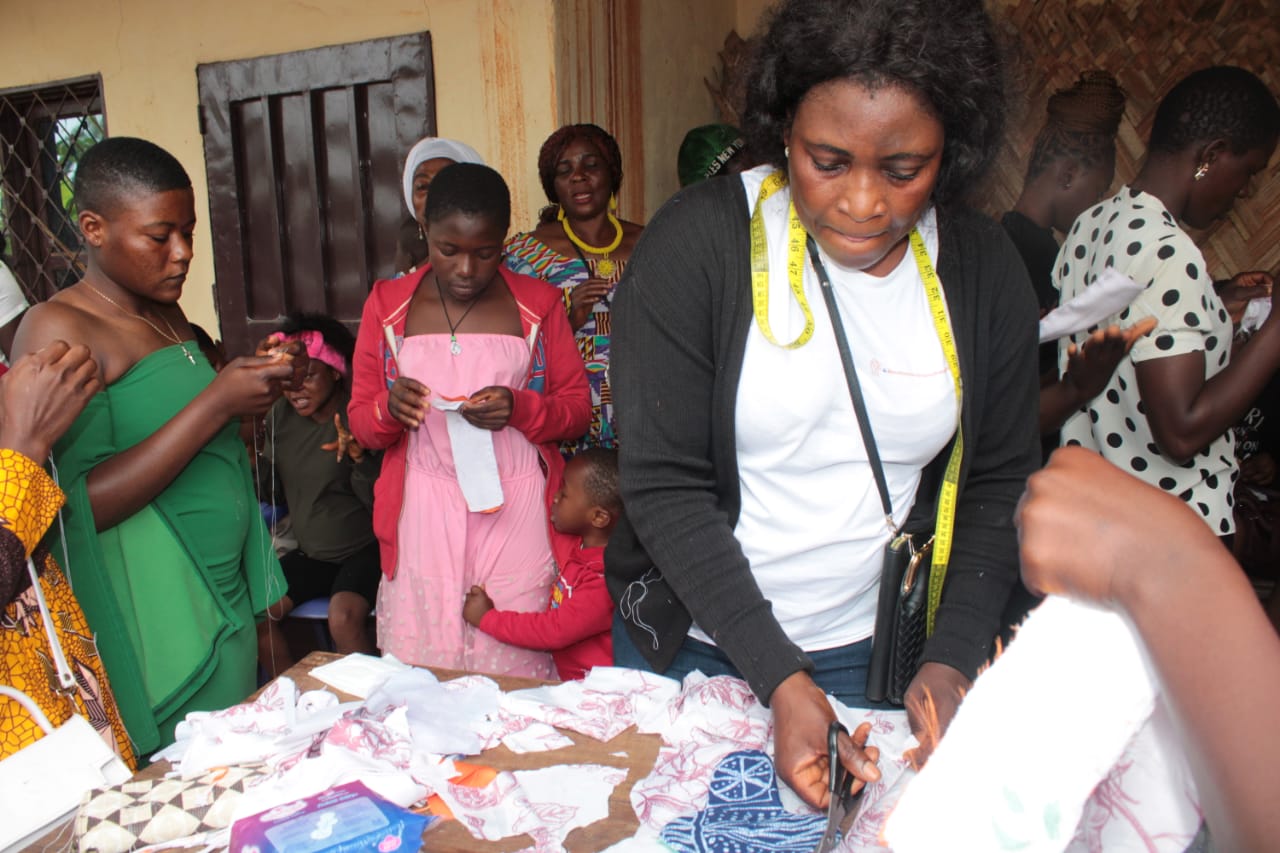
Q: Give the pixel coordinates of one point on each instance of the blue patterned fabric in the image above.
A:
(744, 814)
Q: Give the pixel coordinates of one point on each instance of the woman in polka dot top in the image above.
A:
(1167, 411)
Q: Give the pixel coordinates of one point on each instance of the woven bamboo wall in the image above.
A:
(1148, 46)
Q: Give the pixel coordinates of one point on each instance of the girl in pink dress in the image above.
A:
(464, 330)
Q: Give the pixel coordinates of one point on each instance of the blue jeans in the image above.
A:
(841, 672)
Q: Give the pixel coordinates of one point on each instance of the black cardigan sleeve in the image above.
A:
(667, 371)
(998, 332)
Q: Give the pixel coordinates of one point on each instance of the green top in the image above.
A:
(166, 589)
(330, 502)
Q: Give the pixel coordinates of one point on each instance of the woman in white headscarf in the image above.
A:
(426, 158)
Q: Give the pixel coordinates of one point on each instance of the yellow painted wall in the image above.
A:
(636, 68)
(679, 49)
(494, 72)
(749, 14)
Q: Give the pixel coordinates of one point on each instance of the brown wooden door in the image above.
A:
(304, 153)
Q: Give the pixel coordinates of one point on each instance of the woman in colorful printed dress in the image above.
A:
(39, 399)
(581, 247)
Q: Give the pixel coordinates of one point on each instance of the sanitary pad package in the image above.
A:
(345, 819)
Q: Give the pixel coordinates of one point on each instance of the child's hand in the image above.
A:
(476, 605)
(345, 443)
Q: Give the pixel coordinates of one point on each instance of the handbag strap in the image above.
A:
(66, 680)
(944, 526)
(855, 388)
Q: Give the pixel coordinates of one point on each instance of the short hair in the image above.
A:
(601, 480)
(1081, 123)
(557, 142)
(1221, 102)
(122, 165)
(943, 50)
(335, 334)
(470, 189)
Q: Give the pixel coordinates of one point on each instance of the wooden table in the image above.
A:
(638, 752)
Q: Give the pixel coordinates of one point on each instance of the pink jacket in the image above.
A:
(554, 405)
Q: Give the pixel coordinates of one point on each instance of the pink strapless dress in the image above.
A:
(444, 548)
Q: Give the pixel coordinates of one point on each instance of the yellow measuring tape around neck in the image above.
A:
(945, 518)
(760, 264)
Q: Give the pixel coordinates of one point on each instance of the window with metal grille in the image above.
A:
(44, 130)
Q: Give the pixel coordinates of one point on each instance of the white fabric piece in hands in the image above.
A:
(1109, 295)
(1255, 313)
(1033, 738)
(474, 460)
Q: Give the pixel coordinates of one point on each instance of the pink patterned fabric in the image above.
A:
(444, 549)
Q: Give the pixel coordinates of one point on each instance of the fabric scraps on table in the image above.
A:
(546, 804)
(744, 814)
(400, 743)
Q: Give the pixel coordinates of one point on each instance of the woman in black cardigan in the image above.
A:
(878, 116)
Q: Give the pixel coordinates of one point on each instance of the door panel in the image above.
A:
(304, 153)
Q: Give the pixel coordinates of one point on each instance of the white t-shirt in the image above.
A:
(812, 525)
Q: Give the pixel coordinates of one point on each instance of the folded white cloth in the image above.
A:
(1106, 296)
(359, 674)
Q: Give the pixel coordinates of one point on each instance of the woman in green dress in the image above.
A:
(166, 549)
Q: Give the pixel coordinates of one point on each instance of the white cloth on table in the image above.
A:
(358, 674)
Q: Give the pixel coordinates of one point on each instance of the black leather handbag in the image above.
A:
(902, 614)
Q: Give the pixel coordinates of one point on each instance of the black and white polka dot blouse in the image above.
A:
(1133, 232)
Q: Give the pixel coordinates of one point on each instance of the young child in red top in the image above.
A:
(575, 626)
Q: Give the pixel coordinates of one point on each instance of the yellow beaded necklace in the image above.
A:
(605, 267)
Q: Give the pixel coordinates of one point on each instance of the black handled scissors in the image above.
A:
(843, 805)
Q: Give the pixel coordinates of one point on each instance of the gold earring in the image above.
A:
(1201, 171)
(613, 201)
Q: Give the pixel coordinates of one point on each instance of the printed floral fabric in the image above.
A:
(29, 501)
